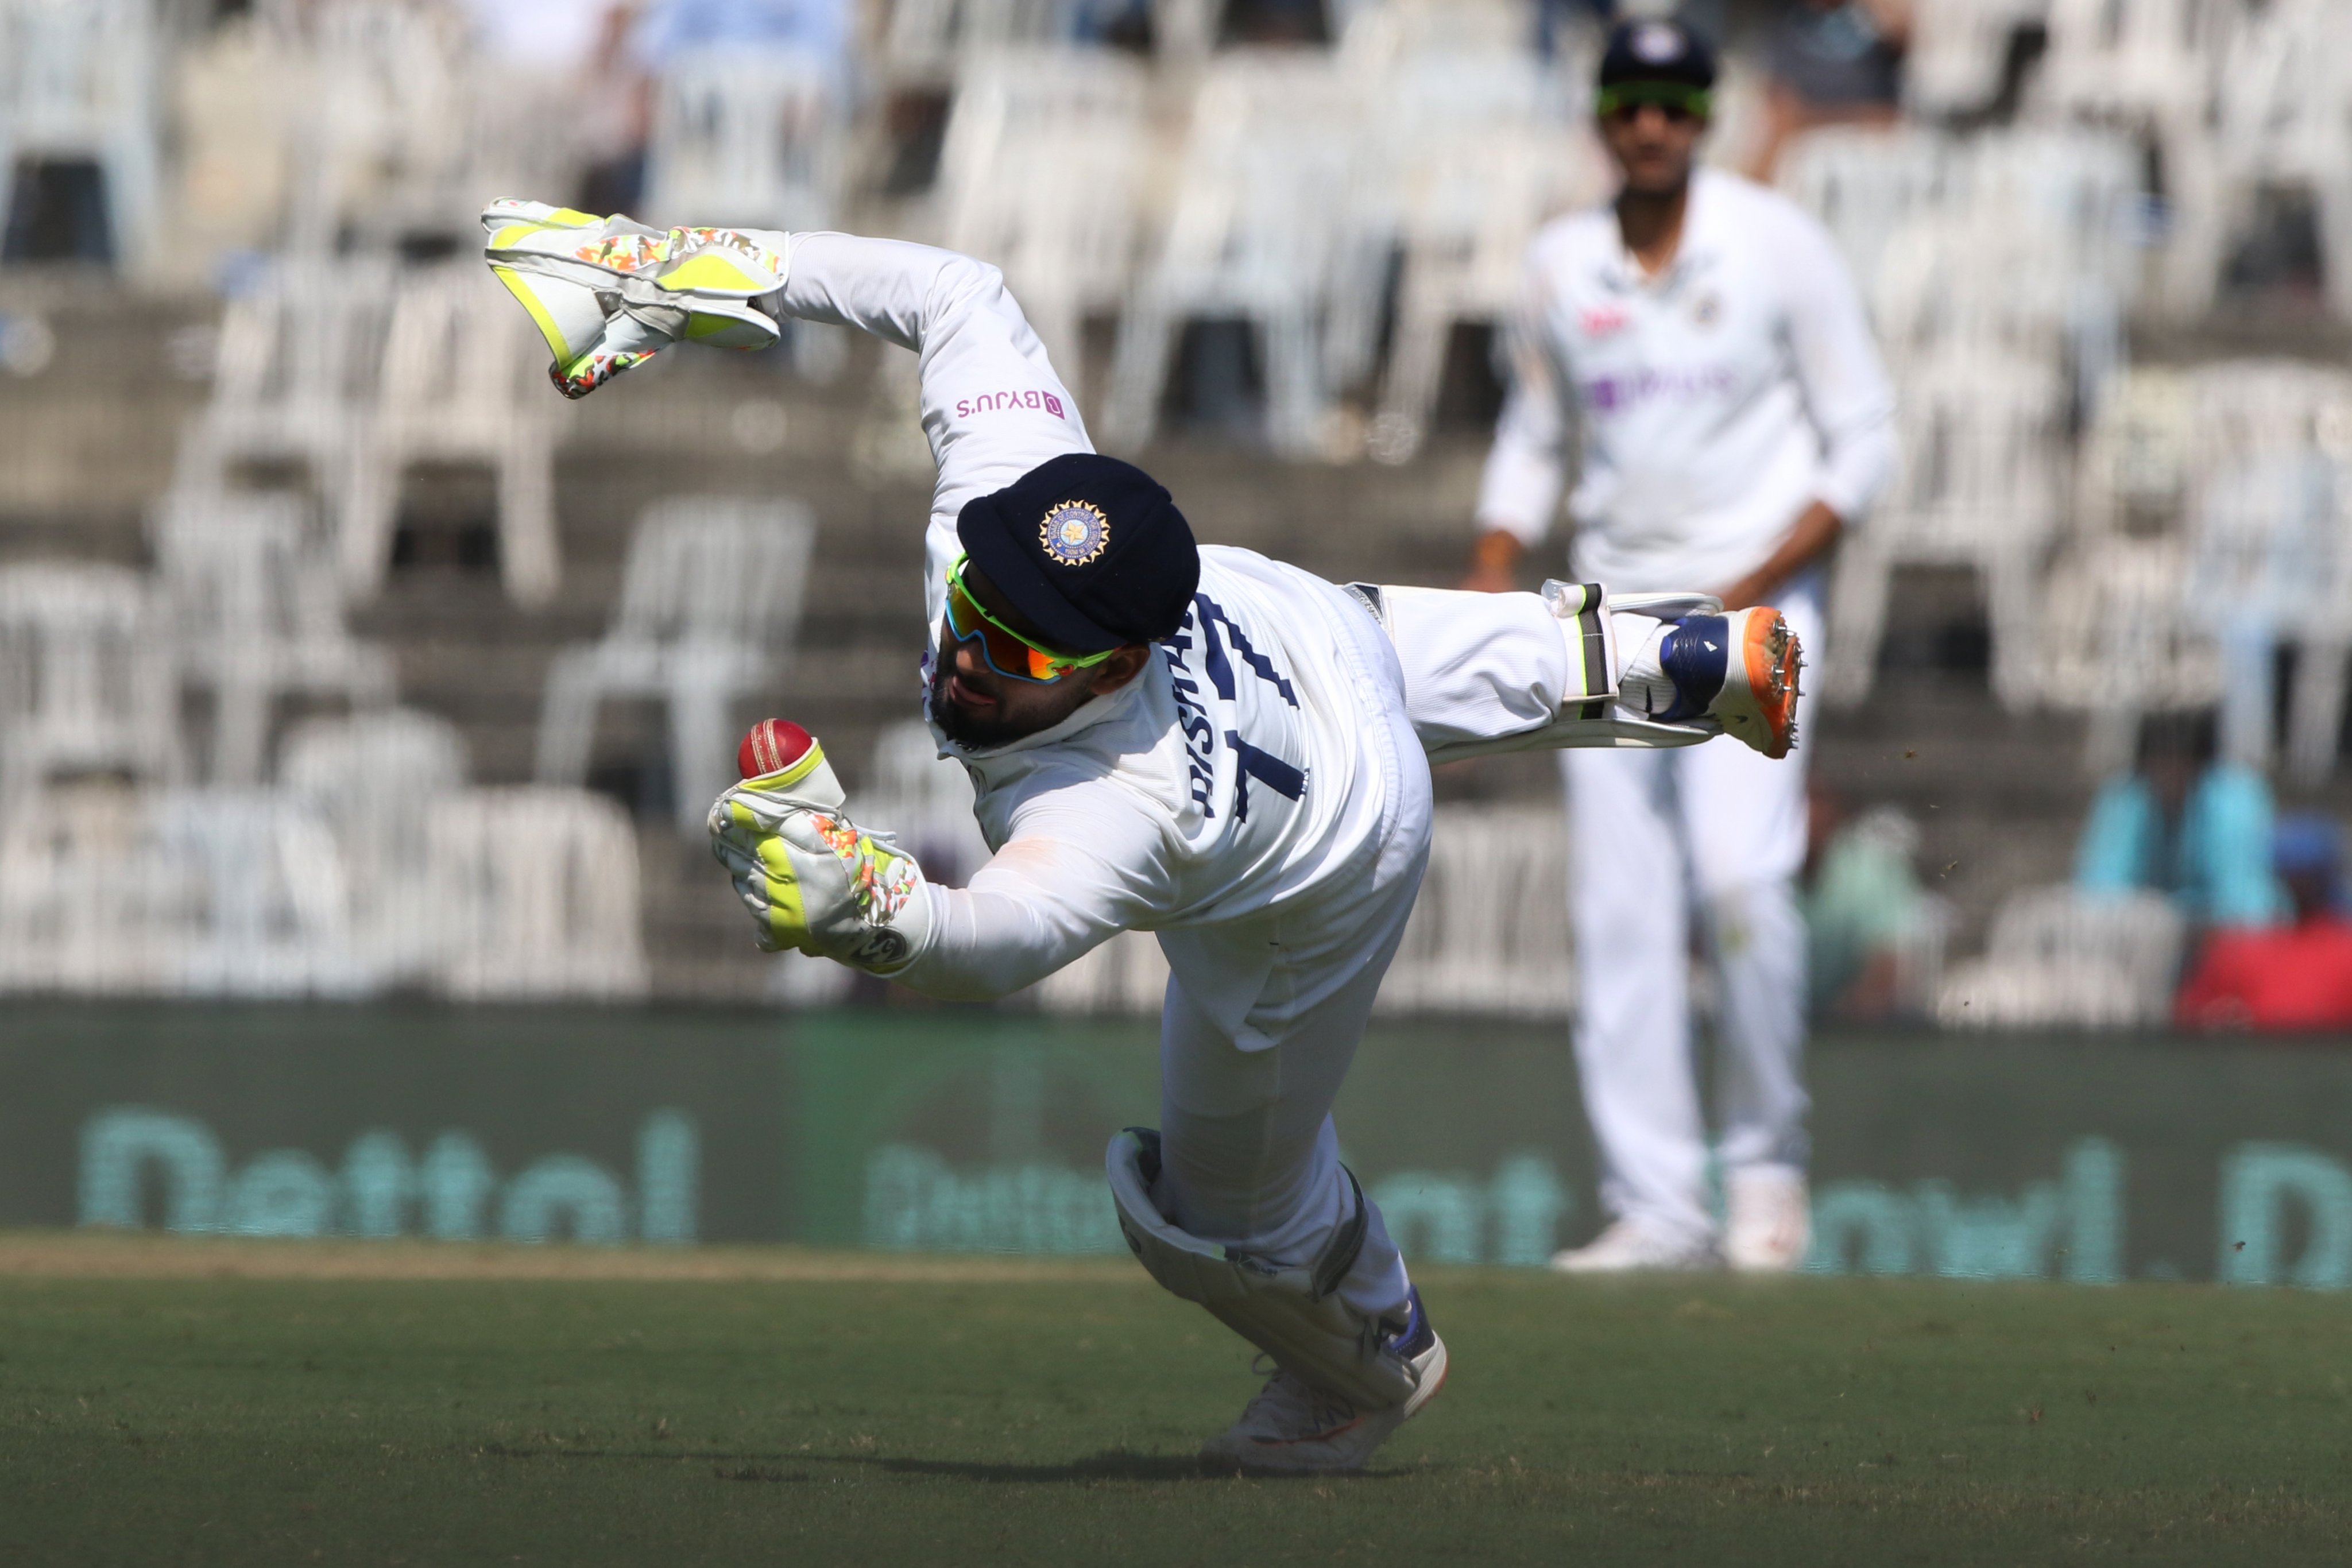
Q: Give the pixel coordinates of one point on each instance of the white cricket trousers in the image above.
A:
(1655, 835)
(1250, 1159)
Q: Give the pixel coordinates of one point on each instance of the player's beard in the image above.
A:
(965, 729)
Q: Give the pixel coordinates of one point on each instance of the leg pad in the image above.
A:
(1294, 1314)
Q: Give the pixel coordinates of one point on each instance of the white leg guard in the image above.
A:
(1295, 1314)
(1492, 673)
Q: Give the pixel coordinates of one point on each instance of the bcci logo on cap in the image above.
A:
(1075, 532)
(1657, 44)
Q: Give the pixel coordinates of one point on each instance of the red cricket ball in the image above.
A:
(773, 744)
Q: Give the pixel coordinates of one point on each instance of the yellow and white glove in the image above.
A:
(608, 293)
(816, 881)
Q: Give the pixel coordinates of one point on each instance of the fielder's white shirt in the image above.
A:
(1706, 406)
(1231, 798)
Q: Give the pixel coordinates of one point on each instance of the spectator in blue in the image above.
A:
(2187, 825)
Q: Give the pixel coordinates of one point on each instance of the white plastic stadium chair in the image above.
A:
(745, 136)
(536, 894)
(1978, 487)
(2121, 636)
(2063, 959)
(926, 43)
(1452, 114)
(374, 779)
(2267, 511)
(85, 677)
(390, 139)
(710, 602)
(2282, 91)
(1255, 235)
(77, 889)
(452, 390)
(250, 890)
(256, 614)
(78, 80)
(755, 139)
(1483, 152)
(925, 800)
(1957, 51)
(2132, 471)
(1126, 977)
(1489, 933)
(2146, 66)
(294, 375)
(1864, 183)
(1040, 175)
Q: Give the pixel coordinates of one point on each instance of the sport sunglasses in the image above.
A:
(1674, 100)
(1008, 652)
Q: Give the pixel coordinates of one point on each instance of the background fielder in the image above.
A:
(1203, 743)
(1700, 344)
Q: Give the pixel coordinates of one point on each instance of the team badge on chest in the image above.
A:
(1075, 532)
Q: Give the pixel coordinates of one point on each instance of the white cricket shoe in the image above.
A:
(1740, 668)
(1631, 1244)
(1292, 1427)
(1768, 1219)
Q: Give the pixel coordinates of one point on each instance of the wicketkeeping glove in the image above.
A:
(608, 294)
(816, 881)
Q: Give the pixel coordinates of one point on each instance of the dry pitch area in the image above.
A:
(221, 1402)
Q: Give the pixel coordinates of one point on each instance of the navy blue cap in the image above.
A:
(1659, 51)
(1091, 550)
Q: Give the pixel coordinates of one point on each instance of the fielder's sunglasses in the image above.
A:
(1674, 100)
(1008, 652)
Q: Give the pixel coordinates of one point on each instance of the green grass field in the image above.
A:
(1012, 1417)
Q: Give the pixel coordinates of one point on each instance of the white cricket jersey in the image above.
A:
(1230, 798)
(1709, 404)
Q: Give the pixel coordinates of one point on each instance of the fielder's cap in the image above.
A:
(1664, 51)
(1090, 549)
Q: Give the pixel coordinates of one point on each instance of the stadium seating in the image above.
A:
(1255, 234)
(2279, 96)
(1488, 937)
(1478, 154)
(926, 800)
(756, 139)
(1041, 173)
(248, 893)
(932, 42)
(76, 885)
(710, 602)
(256, 614)
(535, 892)
(1979, 430)
(385, 152)
(452, 390)
(294, 375)
(2148, 535)
(1489, 933)
(374, 779)
(2062, 959)
(748, 136)
(1864, 183)
(79, 79)
(85, 677)
(1956, 52)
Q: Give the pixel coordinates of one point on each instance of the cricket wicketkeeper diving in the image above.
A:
(1194, 741)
